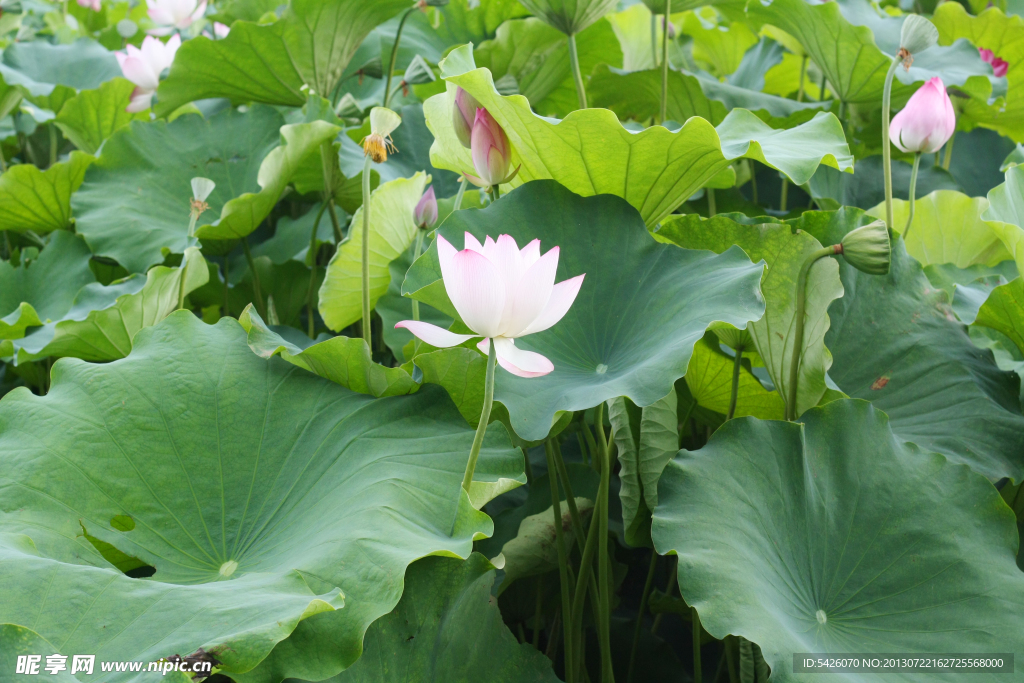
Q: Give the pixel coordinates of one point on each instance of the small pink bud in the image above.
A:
(463, 115)
(999, 65)
(492, 155)
(94, 5)
(927, 122)
(425, 215)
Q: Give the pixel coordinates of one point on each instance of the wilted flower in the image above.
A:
(999, 66)
(463, 116)
(927, 122)
(169, 15)
(377, 144)
(94, 5)
(425, 215)
(867, 248)
(501, 293)
(143, 68)
(221, 30)
(492, 153)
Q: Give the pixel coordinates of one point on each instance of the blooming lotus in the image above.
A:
(94, 5)
(999, 66)
(927, 122)
(169, 15)
(501, 293)
(220, 30)
(425, 214)
(143, 68)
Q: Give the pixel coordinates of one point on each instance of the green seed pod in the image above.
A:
(918, 34)
(732, 337)
(867, 248)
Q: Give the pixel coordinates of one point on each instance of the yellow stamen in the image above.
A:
(377, 147)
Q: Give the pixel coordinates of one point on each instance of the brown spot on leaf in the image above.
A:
(880, 383)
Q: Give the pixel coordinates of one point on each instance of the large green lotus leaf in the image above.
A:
(709, 378)
(392, 230)
(134, 202)
(31, 199)
(569, 16)
(469, 21)
(342, 360)
(641, 308)
(895, 342)
(1005, 213)
(447, 628)
(1004, 311)
(721, 46)
(784, 253)
(534, 550)
(947, 228)
(654, 170)
(637, 95)
(633, 28)
(310, 45)
(646, 439)
(537, 56)
(45, 289)
(49, 73)
(865, 188)
(92, 116)
(834, 536)
(103, 321)
(265, 498)
(1004, 35)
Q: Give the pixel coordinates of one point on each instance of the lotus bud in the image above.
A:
(463, 116)
(918, 34)
(492, 153)
(378, 143)
(867, 248)
(425, 215)
(927, 122)
(999, 66)
(735, 339)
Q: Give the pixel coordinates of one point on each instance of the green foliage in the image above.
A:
(36, 200)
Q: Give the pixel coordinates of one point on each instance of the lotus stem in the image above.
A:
(604, 578)
(495, 193)
(415, 255)
(798, 334)
(803, 73)
(913, 190)
(574, 62)
(461, 193)
(563, 556)
(536, 613)
(670, 588)
(654, 38)
(3, 162)
(753, 180)
(640, 614)
(257, 291)
(394, 55)
(696, 628)
(734, 396)
(886, 145)
(226, 302)
(784, 195)
(822, 88)
(335, 225)
(53, 144)
(485, 416)
(948, 156)
(711, 202)
(586, 564)
(664, 63)
(366, 254)
(311, 324)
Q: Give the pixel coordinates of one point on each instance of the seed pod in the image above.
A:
(868, 249)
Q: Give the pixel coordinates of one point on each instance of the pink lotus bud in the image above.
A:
(463, 115)
(94, 5)
(220, 30)
(927, 122)
(425, 215)
(492, 155)
(143, 68)
(999, 66)
(665, 23)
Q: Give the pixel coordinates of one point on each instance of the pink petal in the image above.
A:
(445, 255)
(530, 253)
(927, 122)
(140, 101)
(432, 334)
(476, 290)
(519, 361)
(562, 297)
(473, 243)
(531, 294)
(140, 73)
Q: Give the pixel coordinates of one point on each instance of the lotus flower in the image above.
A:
(927, 122)
(169, 15)
(94, 5)
(999, 66)
(504, 293)
(143, 68)
(492, 153)
(463, 116)
(425, 214)
(221, 31)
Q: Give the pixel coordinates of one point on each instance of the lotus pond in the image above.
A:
(511, 340)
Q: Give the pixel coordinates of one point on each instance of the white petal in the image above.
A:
(530, 253)
(432, 334)
(445, 256)
(473, 243)
(519, 361)
(476, 290)
(562, 296)
(530, 297)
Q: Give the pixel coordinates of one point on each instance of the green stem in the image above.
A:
(53, 144)
(3, 161)
(784, 195)
(586, 564)
(696, 628)
(670, 588)
(461, 193)
(394, 55)
(603, 567)
(335, 225)
(257, 290)
(798, 334)
(563, 556)
(803, 73)
(227, 303)
(574, 62)
(886, 145)
(640, 614)
(821, 89)
(495, 193)
(415, 255)
(537, 610)
(949, 152)
(366, 255)
(711, 202)
(310, 307)
(734, 396)
(485, 416)
(913, 189)
(654, 38)
(753, 180)
(664, 63)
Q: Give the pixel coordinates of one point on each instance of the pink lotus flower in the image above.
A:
(220, 31)
(425, 214)
(999, 66)
(927, 122)
(143, 68)
(94, 5)
(463, 116)
(169, 15)
(502, 293)
(492, 153)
